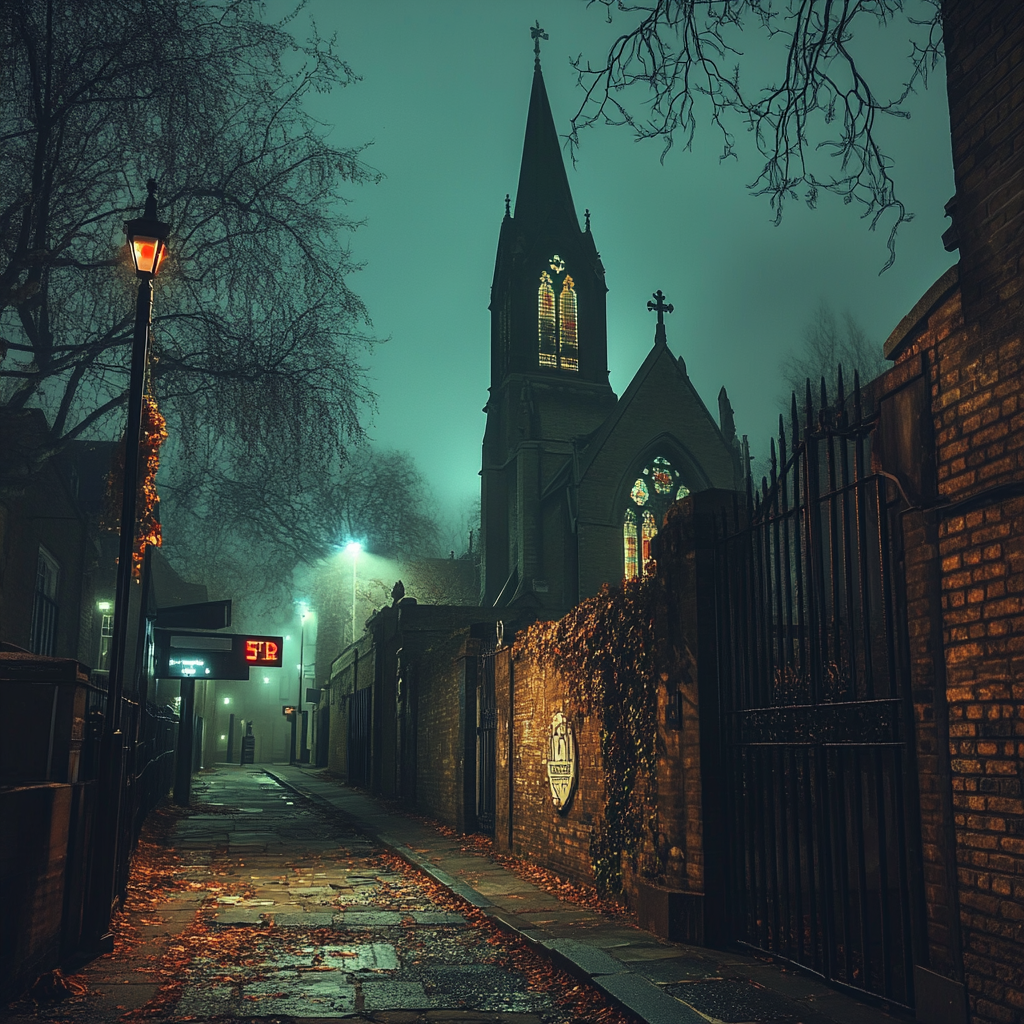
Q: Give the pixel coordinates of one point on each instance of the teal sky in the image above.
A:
(443, 100)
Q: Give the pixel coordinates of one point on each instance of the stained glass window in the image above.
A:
(629, 543)
(662, 475)
(557, 324)
(546, 321)
(654, 491)
(567, 350)
(648, 533)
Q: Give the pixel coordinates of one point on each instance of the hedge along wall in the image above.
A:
(610, 667)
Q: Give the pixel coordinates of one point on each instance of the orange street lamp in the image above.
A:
(147, 240)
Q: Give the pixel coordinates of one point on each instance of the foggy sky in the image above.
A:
(443, 100)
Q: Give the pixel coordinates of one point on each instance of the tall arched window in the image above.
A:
(568, 350)
(629, 542)
(546, 321)
(557, 330)
(649, 498)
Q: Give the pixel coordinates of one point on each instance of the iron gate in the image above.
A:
(359, 737)
(815, 714)
(486, 726)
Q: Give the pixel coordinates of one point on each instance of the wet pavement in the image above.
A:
(260, 905)
(285, 896)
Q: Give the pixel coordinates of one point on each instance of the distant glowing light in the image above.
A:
(227, 700)
(265, 679)
(353, 547)
(104, 606)
(222, 736)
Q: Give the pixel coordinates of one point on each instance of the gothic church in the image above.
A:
(574, 480)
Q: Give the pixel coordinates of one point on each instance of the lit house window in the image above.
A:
(649, 498)
(557, 331)
(106, 632)
(44, 604)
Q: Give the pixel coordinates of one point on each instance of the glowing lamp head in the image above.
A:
(147, 237)
(104, 606)
(227, 700)
(353, 547)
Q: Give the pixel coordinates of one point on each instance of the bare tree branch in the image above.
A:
(687, 55)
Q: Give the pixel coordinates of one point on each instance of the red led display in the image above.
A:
(261, 650)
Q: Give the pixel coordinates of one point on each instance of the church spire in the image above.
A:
(543, 192)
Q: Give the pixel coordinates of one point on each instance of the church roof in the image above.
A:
(543, 192)
(659, 365)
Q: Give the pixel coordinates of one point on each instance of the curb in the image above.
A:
(627, 990)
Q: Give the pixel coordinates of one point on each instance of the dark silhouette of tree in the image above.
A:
(828, 343)
(376, 497)
(257, 334)
(686, 57)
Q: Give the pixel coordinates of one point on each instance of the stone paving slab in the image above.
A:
(582, 957)
(648, 1001)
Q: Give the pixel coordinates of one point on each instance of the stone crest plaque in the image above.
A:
(563, 762)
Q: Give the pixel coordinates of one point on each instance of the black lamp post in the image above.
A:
(147, 238)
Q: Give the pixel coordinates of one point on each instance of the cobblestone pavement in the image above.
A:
(259, 905)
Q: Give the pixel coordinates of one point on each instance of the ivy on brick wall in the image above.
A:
(605, 651)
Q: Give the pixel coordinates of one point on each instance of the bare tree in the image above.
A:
(686, 55)
(828, 343)
(376, 497)
(258, 335)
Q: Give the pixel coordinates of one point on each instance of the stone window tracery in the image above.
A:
(657, 487)
(557, 323)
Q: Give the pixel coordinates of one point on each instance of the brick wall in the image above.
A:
(539, 833)
(965, 608)
(437, 681)
(530, 691)
(964, 560)
(984, 44)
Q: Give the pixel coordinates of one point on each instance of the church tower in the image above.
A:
(549, 372)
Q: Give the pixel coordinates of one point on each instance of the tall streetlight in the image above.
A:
(147, 241)
(296, 738)
(353, 548)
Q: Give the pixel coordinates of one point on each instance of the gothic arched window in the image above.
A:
(557, 330)
(546, 321)
(629, 542)
(568, 351)
(649, 498)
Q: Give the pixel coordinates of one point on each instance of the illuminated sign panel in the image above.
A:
(182, 654)
(263, 650)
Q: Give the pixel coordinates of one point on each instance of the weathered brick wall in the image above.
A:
(965, 608)
(530, 691)
(984, 44)
(349, 672)
(964, 561)
(436, 681)
(539, 833)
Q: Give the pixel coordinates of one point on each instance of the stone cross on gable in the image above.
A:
(661, 307)
(537, 34)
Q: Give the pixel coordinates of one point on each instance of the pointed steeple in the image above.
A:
(543, 192)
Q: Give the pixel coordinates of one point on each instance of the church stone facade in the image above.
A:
(575, 480)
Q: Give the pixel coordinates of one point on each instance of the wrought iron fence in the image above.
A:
(815, 713)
